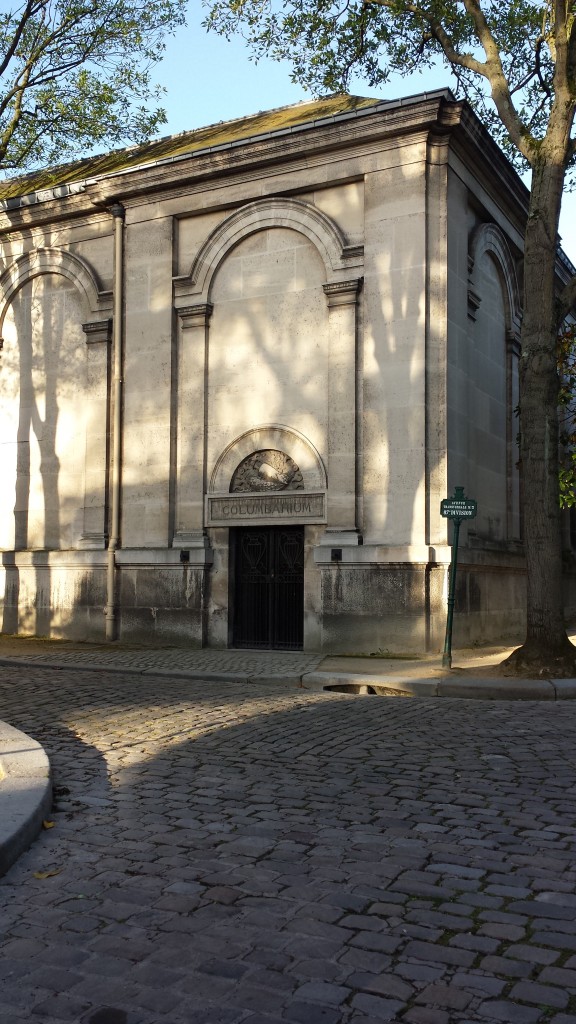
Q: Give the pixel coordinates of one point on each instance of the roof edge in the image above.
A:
(77, 185)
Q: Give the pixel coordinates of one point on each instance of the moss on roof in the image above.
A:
(226, 132)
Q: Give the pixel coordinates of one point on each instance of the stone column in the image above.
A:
(434, 532)
(514, 481)
(191, 426)
(98, 337)
(342, 297)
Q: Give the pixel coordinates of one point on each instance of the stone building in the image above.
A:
(242, 366)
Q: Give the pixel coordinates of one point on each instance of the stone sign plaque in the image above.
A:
(284, 507)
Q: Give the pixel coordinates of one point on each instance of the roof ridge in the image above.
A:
(173, 136)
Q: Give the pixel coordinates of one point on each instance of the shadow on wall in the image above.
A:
(43, 373)
(28, 604)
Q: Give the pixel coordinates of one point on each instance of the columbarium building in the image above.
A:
(240, 369)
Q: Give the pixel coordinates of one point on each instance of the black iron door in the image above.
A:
(269, 587)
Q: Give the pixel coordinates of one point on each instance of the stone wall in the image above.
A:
(347, 299)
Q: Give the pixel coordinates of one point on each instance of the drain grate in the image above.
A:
(366, 689)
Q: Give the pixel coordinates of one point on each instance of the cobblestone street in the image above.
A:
(227, 853)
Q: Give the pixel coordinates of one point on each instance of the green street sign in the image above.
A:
(451, 508)
(457, 508)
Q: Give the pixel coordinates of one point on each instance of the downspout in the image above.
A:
(117, 212)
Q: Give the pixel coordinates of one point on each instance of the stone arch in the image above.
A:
(53, 261)
(86, 378)
(491, 239)
(293, 214)
(270, 436)
(500, 519)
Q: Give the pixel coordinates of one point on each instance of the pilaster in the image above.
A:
(193, 320)
(342, 299)
(98, 338)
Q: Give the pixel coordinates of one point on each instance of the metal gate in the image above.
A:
(269, 587)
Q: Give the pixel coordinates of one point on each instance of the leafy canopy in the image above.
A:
(76, 73)
(516, 62)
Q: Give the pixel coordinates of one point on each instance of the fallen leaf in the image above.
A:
(46, 874)
(48, 824)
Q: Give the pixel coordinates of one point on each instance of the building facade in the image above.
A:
(241, 367)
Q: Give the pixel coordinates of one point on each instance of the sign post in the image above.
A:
(457, 508)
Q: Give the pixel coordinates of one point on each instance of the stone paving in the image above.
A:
(204, 663)
(231, 853)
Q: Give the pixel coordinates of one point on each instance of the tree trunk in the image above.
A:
(547, 648)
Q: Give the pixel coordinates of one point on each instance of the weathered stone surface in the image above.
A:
(337, 295)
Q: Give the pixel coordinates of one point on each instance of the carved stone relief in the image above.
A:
(267, 470)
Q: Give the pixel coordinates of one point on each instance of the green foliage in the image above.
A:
(76, 73)
(484, 44)
(567, 404)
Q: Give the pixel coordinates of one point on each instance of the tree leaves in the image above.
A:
(567, 417)
(505, 57)
(75, 74)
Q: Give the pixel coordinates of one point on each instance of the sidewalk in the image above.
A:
(387, 676)
(25, 793)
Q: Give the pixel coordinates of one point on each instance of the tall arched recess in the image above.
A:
(339, 258)
(489, 247)
(193, 300)
(54, 261)
(55, 320)
(489, 238)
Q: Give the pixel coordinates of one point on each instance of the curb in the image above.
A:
(347, 682)
(470, 688)
(25, 793)
(485, 688)
(174, 673)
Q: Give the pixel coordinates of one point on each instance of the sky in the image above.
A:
(209, 79)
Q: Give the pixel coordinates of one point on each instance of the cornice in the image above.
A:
(435, 117)
(376, 125)
(380, 125)
(477, 149)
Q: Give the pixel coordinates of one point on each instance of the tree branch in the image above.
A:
(563, 105)
(464, 60)
(14, 121)
(491, 69)
(499, 86)
(31, 9)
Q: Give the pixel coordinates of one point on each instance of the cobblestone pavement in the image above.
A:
(256, 664)
(227, 853)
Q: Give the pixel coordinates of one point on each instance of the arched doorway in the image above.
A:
(265, 509)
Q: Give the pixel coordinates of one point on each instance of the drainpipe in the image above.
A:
(117, 212)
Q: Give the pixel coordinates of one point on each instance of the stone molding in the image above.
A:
(513, 343)
(42, 261)
(274, 436)
(98, 331)
(197, 315)
(325, 235)
(490, 238)
(343, 293)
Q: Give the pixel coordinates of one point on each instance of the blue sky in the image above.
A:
(209, 79)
